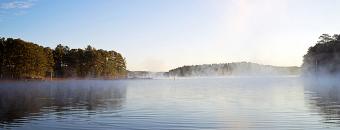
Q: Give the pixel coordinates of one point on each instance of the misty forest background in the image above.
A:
(321, 59)
(20, 59)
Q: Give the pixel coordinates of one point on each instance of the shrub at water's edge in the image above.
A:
(20, 59)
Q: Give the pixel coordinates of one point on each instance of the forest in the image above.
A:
(235, 68)
(324, 57)
(20, 59)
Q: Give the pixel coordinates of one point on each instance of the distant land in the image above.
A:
(321, 60)
(144, 74)
(223, 69)
(234, 68)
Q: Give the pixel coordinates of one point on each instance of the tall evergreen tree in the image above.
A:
(20, 59)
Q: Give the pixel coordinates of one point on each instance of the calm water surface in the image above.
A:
(201, 103)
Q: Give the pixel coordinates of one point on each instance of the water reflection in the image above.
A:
(324, 99)
(201, 103)
(19, 101)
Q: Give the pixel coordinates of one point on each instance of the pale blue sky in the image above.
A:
(159, 35)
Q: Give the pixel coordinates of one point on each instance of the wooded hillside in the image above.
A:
(20, 59)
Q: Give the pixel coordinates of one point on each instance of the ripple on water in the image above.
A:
(221, 103)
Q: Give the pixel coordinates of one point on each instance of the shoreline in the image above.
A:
(58, 79)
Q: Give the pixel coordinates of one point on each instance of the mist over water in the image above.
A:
(325, 101)
(232, 69)
(229, 64)
(219, 71)
(235, 102)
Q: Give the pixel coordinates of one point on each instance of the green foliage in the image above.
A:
(20, 59)
(88, 62)
(324, 57)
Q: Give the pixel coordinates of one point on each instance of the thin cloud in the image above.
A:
(17, 4)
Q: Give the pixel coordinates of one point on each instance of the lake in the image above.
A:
(188, 103)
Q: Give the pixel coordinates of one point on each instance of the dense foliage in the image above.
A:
(20, 59)
(236, 68)
(324, 57)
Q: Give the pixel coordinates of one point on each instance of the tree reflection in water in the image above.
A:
(22, 100)
(325, 99)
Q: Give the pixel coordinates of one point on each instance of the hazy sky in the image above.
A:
(158, 35)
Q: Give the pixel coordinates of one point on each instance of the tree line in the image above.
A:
(324, 57)
(235, 68)
(20, 59)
